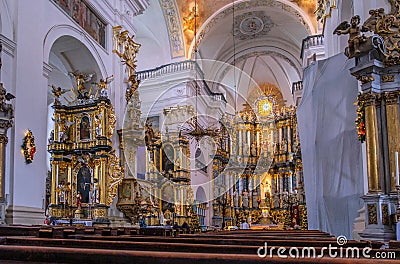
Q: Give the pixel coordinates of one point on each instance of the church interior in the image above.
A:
(169, 131)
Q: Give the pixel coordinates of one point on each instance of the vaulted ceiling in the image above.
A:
(261, 38)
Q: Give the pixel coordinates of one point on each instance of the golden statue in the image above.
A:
(126, 48)
(57, 92)
(103, 85)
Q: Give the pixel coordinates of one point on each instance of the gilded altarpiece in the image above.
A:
(85, 171)
(258, 165)
(167, 159)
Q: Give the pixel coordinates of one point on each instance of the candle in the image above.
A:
(397, 167)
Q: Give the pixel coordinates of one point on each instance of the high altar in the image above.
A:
(258, 170)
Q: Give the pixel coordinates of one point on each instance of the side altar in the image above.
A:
(85, 171)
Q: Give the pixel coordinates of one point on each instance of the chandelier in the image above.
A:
(192, 128)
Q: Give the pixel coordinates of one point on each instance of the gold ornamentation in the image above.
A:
(387, 27)
(385, 214)
(264, 107)
(3, 139)
(99, 212)
(392, 97)
(372, 214)
(365, 79)
(387, 78)
(189, 20)
(57, 92)
(360, 121)
(112, 119)
(114, 176)
(126, 48)
(28, 147)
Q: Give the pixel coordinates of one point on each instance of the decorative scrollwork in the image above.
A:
(114, 176)
(126, 48)
(360, 121)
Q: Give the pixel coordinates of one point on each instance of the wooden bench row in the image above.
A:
(84, 255)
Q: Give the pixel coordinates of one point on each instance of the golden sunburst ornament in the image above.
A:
(264, 107)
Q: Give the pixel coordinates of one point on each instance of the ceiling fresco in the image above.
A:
(193, 18)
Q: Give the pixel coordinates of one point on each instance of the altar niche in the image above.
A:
(85, 171)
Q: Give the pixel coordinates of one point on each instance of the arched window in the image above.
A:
(167, 163)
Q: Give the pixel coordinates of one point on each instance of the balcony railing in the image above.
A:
(181, 66)
(169, 68)
(297, 86)
(311, 41)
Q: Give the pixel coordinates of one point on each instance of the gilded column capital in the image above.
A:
(6, 123)
(392, 97)
(370, 99)
(3, 139)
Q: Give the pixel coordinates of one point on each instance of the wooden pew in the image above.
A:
(82, 255)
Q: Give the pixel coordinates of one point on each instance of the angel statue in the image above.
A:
(103, 85)
(355, 39)
(80, 80)
(57, 92)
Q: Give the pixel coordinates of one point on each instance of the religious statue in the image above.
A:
(94, 192)
(67, 191)
(79, 201)
(276, 200)
(126, 48)
(103, 85)
(80, 80)
(236, 199)
(61, 192)
(51, 137)
(285, 200)
(245, 198)
(356, 38)
(57, 92)
(97, 124)
(268, 199)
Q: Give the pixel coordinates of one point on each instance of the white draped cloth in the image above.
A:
(331, 152)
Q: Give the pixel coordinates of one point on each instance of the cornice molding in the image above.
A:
(8, 45)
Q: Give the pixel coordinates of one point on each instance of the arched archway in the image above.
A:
(201, 195)
(69, 54)
(64, 52)
(64, 32)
